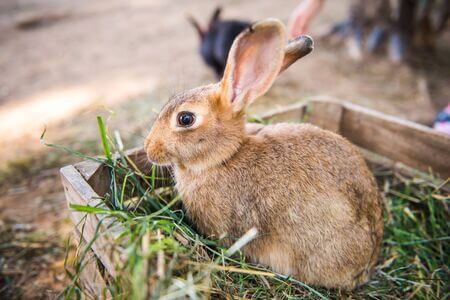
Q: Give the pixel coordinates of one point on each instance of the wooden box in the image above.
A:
(405, 146)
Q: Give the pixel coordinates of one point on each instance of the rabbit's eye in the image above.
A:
(185, 119)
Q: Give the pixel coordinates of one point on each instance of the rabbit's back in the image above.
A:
(309, 193)
(298, 166)
(312, 156)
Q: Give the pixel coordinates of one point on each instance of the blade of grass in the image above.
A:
(104, 138)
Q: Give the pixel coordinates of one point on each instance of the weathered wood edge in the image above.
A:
(97, 175)
(412, 144)
(94, 283)
(78, 191)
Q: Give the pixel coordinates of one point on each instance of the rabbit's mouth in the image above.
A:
(159, 161)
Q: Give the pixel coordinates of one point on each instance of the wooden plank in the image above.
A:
(403, 169)
(414, 145)
(96, 175)
(78, 191)
(91, 278)
(293, 113)
(325, 114)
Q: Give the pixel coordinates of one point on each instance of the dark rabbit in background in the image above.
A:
(216, 40)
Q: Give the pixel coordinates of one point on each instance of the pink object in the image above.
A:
(442, 127)
(442, 121)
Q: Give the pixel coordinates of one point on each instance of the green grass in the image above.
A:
(162, 256)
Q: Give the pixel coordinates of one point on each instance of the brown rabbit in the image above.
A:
(308, 191)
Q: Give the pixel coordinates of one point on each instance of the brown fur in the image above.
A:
(308, 191)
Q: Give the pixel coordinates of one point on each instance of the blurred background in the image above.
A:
(62, 62)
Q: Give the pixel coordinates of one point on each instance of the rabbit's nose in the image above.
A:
(155, 150)
(147, 142)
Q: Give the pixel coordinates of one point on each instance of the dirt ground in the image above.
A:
(62, 62)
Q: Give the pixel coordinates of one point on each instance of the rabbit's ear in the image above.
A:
(198, 28)
(254, 61)
(215, 16)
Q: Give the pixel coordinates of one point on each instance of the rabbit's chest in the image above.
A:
(211, 191)
(204, 204)
(218, 206)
